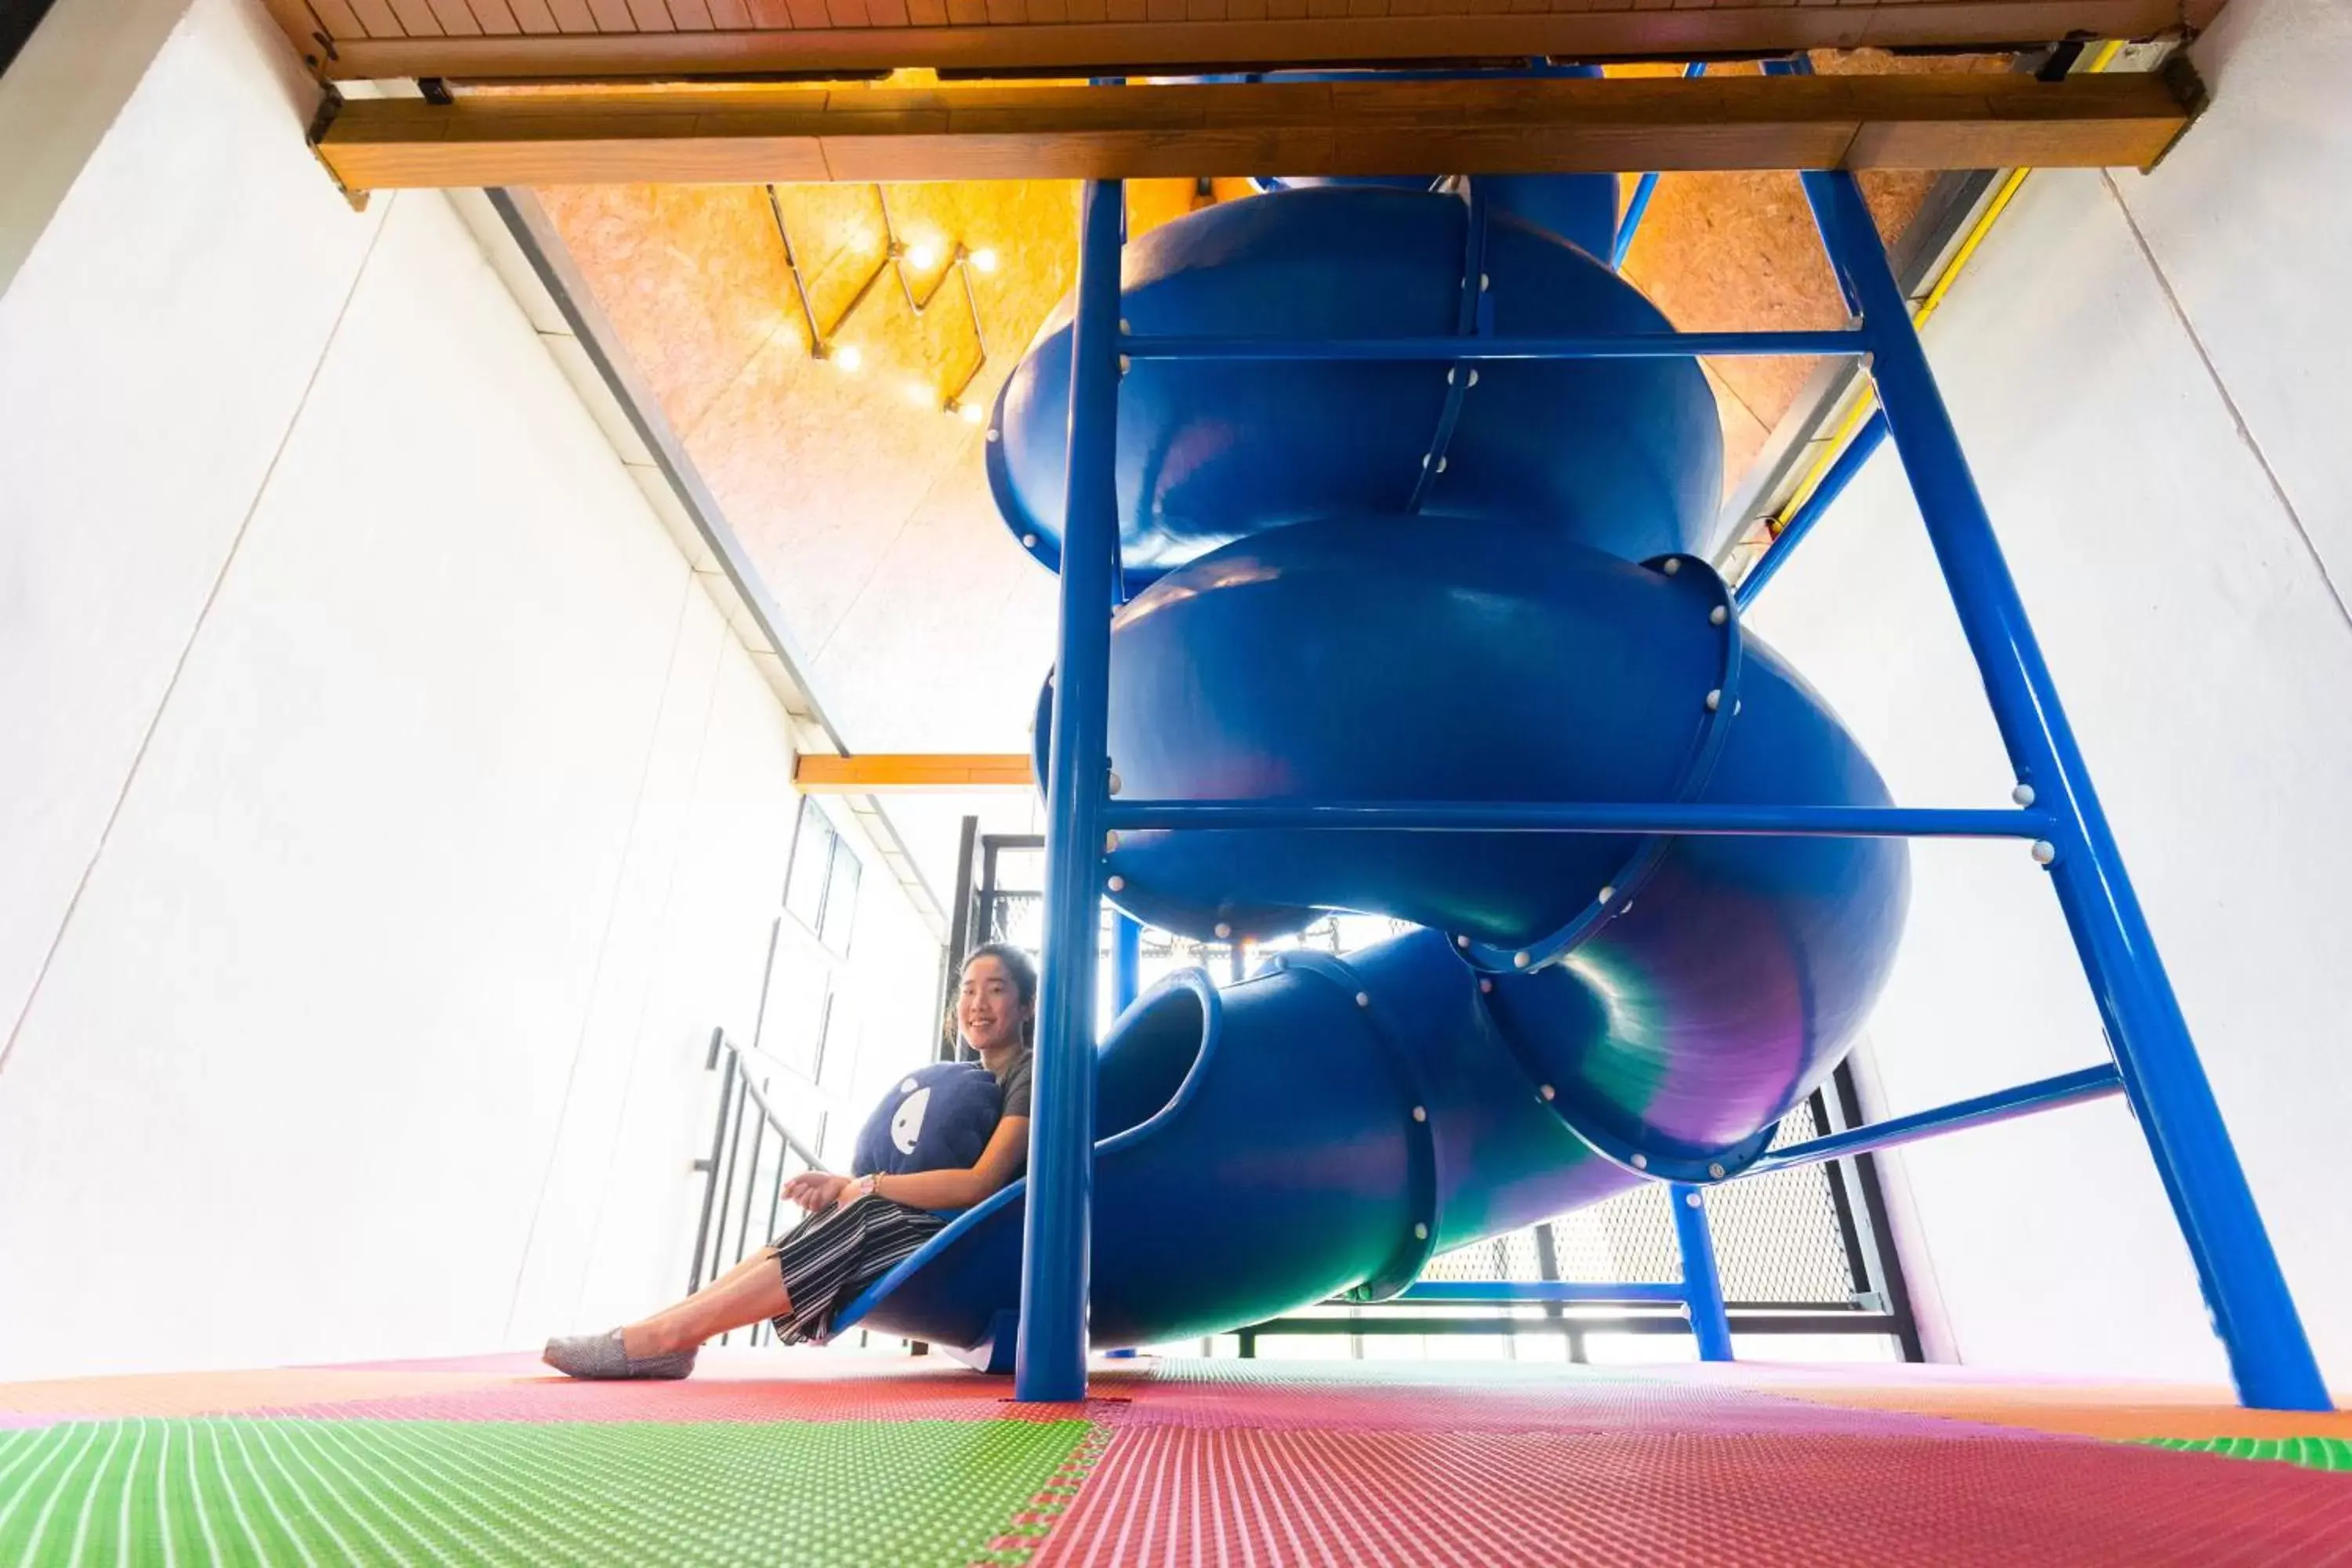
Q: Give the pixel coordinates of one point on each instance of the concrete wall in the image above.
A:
(2149, 375)
(388, 815)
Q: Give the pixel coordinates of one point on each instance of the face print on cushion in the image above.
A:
(907, 1122)
(936, 1118)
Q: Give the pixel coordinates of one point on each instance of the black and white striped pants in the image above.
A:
(829, 1257)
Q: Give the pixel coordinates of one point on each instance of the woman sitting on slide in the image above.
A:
(858, 1229)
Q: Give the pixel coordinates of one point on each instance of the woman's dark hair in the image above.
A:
(1023, 971)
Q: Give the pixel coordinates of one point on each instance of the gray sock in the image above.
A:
(604, 1357)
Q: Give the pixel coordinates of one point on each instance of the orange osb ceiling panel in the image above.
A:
(820, 463)
(1737, 251)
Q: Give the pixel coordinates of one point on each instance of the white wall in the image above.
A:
(2149, 375)
(388, 815)
(57, 100)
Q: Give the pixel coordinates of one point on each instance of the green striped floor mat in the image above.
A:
(235, 1489)
(2311, 1452)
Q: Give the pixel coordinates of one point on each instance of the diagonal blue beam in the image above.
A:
(2245, 1291)
(1637, 206)
(1857, 457)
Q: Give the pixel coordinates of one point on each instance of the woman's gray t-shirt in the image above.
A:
(1012, 1085)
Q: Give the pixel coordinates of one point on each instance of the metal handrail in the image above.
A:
(729, 1174)
(800, 1150)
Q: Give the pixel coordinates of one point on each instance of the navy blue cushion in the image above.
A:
(937, 1117)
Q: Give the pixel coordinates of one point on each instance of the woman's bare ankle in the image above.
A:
(639, 1340)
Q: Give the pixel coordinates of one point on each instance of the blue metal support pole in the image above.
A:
(1858, 452)
(1638, 205)
(1050, 1361)
(1126, 961)
(1983, 1110)
(1125, 980)
(2253, 1311)
(1620, 345)
(1702, 1287)
(1583, 816)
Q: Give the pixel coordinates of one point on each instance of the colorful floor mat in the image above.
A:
(808, 1458)
(2312, 1453)
(232, 1488)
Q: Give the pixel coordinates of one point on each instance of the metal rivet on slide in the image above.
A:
(1421, 1113)
(1714, 701)
(1485, 985)
(1640, 1162)
(1462, 942)
(1118, 884)
(1693, 1199)
(1223, 931)
(1716, 1170)
(1673, 564)
(1363, 999)
(1546, 1092)
(1518, 961)
(1717, 616)
(1110, 841)
(2044, 851)
(2023, 795)
(1607, 893)
(1028, 541)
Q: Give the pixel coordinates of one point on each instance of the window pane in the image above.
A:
(799, 982)
(841, 900)
(811, 864)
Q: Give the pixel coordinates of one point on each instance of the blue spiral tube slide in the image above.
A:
(1386, 583)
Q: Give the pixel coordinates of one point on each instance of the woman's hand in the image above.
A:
(816, 1189)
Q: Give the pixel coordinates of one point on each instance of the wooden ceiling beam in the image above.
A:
(1356, 127)
(1470, 29)
(906, 772)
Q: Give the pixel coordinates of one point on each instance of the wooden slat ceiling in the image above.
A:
(576, 39)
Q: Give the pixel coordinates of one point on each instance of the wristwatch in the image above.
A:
(864, 1185)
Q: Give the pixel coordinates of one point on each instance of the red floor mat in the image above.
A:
(1208, 1394)
(1184, 1495)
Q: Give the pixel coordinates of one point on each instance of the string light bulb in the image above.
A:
(971, 412)
(922, 256)
(920, 395)
(847, 358)
(985, 259)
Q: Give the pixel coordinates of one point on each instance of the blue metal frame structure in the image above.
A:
(1702, 1280)
(2155, 1062)
(1868, 437)
(1051, 1355)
